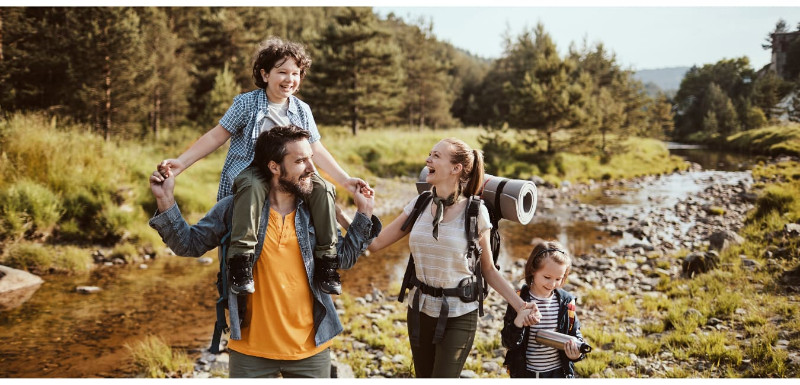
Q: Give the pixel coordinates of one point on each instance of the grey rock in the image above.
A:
(16, 287)
(791, 229)
(466, 373)
(340, 370)
(491, 367)
(722, 239)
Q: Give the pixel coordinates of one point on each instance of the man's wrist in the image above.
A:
(164, 204)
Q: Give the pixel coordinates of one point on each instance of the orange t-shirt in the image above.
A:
(281, 311)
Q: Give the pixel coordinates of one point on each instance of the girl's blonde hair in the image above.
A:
(546, 249)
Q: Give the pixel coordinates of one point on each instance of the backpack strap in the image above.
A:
(221, 326)
(422, 201)
(473, 248)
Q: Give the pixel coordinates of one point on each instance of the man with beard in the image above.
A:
(290, 323)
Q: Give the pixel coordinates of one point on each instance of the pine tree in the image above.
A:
(427, 65)
(359, 79)
(167, 83)
(546, 99)
(220, 97)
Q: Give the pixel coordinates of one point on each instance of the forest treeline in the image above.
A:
(130, 72)
(133, 71)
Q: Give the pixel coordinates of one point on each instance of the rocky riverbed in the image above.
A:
(651, 234)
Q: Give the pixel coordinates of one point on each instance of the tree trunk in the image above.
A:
(156, 118)
(549, 135)
(107, 99)
(421, 112)
(354, 115)
(1, 34)
(603, 145)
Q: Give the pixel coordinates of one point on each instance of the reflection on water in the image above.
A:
(711, 159)
(62, 333)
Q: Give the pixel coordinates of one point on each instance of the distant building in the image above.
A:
(780, 50)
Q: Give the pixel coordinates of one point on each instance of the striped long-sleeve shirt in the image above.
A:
(541, 358)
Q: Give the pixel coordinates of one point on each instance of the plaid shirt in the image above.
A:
(244, 120)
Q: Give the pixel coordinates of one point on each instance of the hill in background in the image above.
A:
(667, 80)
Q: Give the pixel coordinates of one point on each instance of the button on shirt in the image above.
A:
(244, 120)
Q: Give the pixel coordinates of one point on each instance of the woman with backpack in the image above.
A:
(446, 279)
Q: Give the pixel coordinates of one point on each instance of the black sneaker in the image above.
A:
(329, 281)
(240, 273)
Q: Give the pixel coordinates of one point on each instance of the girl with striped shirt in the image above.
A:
(545, 271)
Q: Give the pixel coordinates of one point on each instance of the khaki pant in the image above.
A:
(246, 366)
(447, 358)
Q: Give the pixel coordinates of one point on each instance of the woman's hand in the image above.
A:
(534, 316)
(521, 316)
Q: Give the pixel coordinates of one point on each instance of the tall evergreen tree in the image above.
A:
(110, 44)
(545, 99)
(660, 117)
(732, 77)
(167, 83)
(716, 102)
(359, 76)
(220, 97)
(427, 65)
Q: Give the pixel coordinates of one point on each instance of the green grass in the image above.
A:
(772, 140)
(156, 359)
(43, 258)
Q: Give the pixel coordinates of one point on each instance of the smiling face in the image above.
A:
(296, 169)
(548, 278)
(442, 173)
(283, 80)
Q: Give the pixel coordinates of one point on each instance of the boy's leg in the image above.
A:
(322, 206)
(250, 192)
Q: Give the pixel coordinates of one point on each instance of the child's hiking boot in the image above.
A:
(240, 273)
(328, 277)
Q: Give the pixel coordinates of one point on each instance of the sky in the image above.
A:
(641, 37)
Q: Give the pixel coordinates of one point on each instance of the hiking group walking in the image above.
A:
(276, 223)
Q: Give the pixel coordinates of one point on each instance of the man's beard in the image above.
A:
(303, 190)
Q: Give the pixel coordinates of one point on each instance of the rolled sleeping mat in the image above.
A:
(516, 199)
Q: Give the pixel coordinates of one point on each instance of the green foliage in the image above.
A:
(715, 100)
(544, 96)
(221, 96)
(359, 77)
(772, 140)
(714, 347)
(774, 198)
(156, 359)
(44, 258)
(594, 363)
(27, 207)
(27, 256)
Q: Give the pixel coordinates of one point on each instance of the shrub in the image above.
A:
(28, 207)
(28, 256)
(774, 198)
(157, 360)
